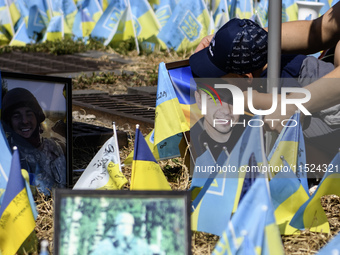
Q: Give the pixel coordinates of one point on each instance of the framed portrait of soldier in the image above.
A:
(36, 118)
(121, 222)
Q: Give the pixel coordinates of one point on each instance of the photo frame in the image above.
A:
(91, 222)
(54, 96)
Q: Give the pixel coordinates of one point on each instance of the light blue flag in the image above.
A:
(287, 195)
(254, 220)
(221, 15)
(188, 24)
(289, 10)
(325, 7)
(290, 145)
(311, 214)
(83, 25)
(21, 37)
(5, 162)
(332, 247)
(242, 9)
(70, 10)
(202, 171)
(107, 25)
(37, 19)
(93, 8)
(164, 10)
(23, 9)
(55, 29)
(262, 12)
(222, 158)
(224, 192)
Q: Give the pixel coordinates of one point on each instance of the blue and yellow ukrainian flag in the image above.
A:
(253, 222)
(107, 25)
(201, 174)
(188, 24)
(291, 146)
(83, 25)
(242, 9)
(21, 37)
(125, 29)
(221, 15)
(164, 10)
(169, 117)
(16, 216)
(289, 10)
(262, 12)
(70, 11)
(146, 173)
(37, 18)
(6, 23)
(145, 20)
(13, 10)
(168, 148)
(224, 192)
(55, 29)
(23, 9)
(287, 195)
(5, 162)
(93, 8)
(311, 214)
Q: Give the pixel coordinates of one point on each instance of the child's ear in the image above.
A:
(250, 77)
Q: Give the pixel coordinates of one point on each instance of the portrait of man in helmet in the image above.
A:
(43, 158)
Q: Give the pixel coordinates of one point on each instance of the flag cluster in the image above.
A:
(177, 24)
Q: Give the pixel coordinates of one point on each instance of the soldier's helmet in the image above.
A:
(124, 218)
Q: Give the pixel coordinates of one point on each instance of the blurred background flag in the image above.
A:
(70, 10)
(145, 21)
(146, 173)
(21, 37)
(289, 10)
(93, 7)
(170, 119)
(287, 195)
(104, 170)
(254, 220)
(164, 10)
(261, 10)
(23, 9)
(221, 15)
(290, 144)
(224, 194)
(16, 216)
(5, 162)
(6, 23)
(311, 214)
(83, 24)
(242, 9)
(201, 174)
(55, 29)
(13, 10)
(188, 24)
(37, 19)
(107, 25)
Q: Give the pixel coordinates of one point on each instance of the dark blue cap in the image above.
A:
(240, 47)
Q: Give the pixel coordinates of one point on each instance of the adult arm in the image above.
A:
(325, 93)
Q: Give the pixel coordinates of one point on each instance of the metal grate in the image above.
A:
(132, 109)
(44, 63)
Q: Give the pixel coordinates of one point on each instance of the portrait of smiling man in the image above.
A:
(42, 157)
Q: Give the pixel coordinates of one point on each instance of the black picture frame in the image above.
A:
(54, 94)
(83, 218)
